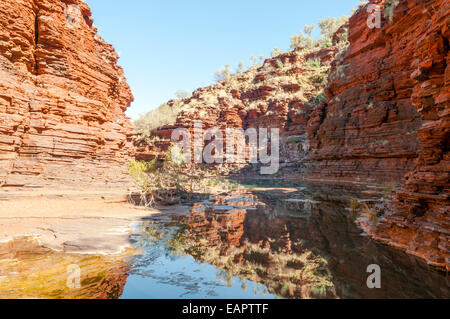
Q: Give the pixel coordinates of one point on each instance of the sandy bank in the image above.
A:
(75, 222)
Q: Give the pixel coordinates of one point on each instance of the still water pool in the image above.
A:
(294, 243)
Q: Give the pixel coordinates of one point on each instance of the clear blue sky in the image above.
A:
(166, 46)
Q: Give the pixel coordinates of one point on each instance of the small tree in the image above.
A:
(261, 59)
(309, 29)
(302, 41)
(275, 52)
(329, 26)
(181, 94)
(240, 68)
(223, 74)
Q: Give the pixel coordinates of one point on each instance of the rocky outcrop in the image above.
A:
(62, 99)
(387, 115)
(282, 242)
(278, 94)
(384, 119)
(368, 129)
(420, 219)
(42, 273)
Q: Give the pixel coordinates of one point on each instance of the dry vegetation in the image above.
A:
(275, 72)
(172, 181)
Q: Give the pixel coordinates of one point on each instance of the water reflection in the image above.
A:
(29, 271)
(167, 268)
(296, 242)
(302, 244)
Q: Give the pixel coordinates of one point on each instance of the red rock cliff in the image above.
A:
(385, 119)
(420, 219)
(62, 98)
(387, 116)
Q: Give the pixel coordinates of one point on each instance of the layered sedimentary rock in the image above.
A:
(387, 115)
(62, 98)
(367, 130)
(278, 94)
(42, 273)
(282, 243)
(420, 219)
(384, 120)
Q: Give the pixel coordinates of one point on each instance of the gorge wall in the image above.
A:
(280, 93)
(62, 99)
(384, 117)
(417, 44)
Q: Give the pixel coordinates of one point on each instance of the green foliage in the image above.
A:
(280, 64)
(240, 68)
(363, 3)
(314, 63)
(169, 181)
(326, 43)
(319, 291)
(182, 94)
(309, 29)
(223, 74)
(389, 9)
(354, 205)
(256, 62)
(389, 189)
(328, 27)
(275, 52)
(344, 36)
(321, 98)
(301, 40)
(163, 115)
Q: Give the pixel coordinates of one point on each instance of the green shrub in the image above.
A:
(240, 68)
(302, 41)
(328, 27)
(223, 74)
(280, 64)
(314, 63)
(275, 52)
(389, 9)
(171, 180)
(181, 94)
(326, 43)
(163, 115)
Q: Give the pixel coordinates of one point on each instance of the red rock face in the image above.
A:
(368, 129)
(274, 95)
(62, 98)
(388, 115)
(420, 222)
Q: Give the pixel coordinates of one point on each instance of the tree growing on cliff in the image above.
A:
(165, 114)
(223, 74)
(327, 29)
(301, 40)
(181, 94)
(240, 68)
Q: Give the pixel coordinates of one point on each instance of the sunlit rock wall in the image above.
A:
(62, 99)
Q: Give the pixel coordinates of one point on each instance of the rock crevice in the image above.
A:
(62, 99)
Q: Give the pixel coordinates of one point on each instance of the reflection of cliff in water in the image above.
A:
(303, 245)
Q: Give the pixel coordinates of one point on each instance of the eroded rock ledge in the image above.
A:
(62, 99)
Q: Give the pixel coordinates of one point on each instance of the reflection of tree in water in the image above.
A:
(299, 248)
(284, 272)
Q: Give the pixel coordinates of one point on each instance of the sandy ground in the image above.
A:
(75, 223)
